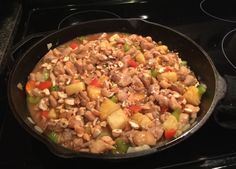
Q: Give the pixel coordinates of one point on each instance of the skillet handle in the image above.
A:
(221, 88)
(27, 42)
(18, 50)
(225, 114)
(230, 96)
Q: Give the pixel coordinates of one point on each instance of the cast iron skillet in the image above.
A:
(197, 59)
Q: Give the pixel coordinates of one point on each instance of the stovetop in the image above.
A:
(206, 22)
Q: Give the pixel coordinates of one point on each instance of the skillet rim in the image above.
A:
(54, 148)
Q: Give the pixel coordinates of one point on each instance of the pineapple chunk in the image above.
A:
(94, 92)
(137, 117)
(104, 44)
(136, 97)
(75, 88)
(117, 120)
(170, 76)
(140, 58)
(103, 78)
(107, 108)
(52, 114)
(192, 96)
(170, 123)
(163, 49)
(114, 37)
(142, 120)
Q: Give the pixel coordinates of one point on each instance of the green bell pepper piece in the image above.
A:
(201, 89)
(33, 99)
(121, 146)
(53, 137)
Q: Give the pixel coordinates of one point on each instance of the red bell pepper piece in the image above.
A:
(95, 82)
(29, 86)
(44, 85)
(135, 108)
(74, 45)
(170, 133)
(132, 63)
(44, 114)
(168, 69)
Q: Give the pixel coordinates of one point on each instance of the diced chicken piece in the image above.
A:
(183, 72)
(83, 96)
(70, 68)
(191, 109)
(122, 95)
(105, 92)
(49, 56)
(125, 60)
(157, 131)
(63, 122)
(148, 54)
(165, 84)
(76, 121)
(53, 101)
(70, 101)
(89, 115)
(100, 146)
(62, 95)
(32, 76)
(146, 79)
(169, 59)
(56, 52)
(59, 69)
(154, 89)
(144, 138)
(80, 66)
(101, 57)
(162, 100)
(131, 51)
(146, 45)
(77, 143)
(183, 120)
(178, 88)
(37, 92)
(53, 78)
(118, 54)
(173, 104)
(66, 51)
(122, 80)
(43, 104)
(190, 80)
(90, 67)
(137, 84)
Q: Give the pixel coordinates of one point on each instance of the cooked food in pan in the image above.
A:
(113, 92)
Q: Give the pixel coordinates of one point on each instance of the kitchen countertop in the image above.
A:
(9, 17)
(10, 13)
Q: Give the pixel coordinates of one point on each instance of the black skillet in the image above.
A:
(196, 57)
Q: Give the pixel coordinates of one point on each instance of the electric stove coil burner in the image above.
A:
(221, 10)
(78, 17)
(228, 46)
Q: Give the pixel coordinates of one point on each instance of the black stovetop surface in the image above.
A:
(211, 146)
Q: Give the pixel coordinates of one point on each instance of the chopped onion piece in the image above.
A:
(139, 148)
(30, 120)
(49, 45)
(37, 128)
(19, 86)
